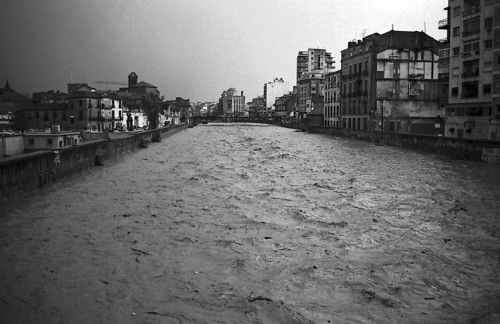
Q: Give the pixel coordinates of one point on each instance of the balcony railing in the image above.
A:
(472, 10)
(471, 55)
(443, 23)
(470, 74)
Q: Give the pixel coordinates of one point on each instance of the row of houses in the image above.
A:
(53, 120)
(402, 81)
(82, 107)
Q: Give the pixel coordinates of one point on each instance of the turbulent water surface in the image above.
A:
(249, 223)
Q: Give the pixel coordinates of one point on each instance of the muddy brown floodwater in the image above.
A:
(243, 223)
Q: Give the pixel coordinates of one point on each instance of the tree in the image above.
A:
(152, 109)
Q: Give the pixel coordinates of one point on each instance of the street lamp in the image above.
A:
(382, 115)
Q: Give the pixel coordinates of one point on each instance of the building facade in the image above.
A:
(474, 38)
(11, 102)
(94, 110)
(389, 83)
(313, 59)
(332, 99)
(273, 90)
(232, 104)
(284, 107)
(257, 107)
(309, 87)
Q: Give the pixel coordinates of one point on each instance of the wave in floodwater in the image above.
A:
(256, 223)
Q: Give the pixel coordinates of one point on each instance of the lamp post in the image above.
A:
(382, 116)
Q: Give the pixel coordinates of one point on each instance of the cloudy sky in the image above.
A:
(188, 48)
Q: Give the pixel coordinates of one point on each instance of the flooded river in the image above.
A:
(257, 224)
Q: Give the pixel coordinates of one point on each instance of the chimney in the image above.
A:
(242, 93)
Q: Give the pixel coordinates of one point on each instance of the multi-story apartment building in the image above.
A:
(332, 99)
(273, 90)
(313, 59)
(496, 69)
(232, 104)
(93, 110)
(389, 83)
(50, 97)
(309, 87)
(472, 110)
(284, 107)
(257, 107)
(444, 65)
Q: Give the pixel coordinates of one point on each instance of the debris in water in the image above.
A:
(139, 251)
(253, 298)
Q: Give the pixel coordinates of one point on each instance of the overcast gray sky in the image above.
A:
(189, 48)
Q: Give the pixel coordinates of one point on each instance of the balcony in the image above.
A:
(472, 10)
(470, 74)
(445, 61)
(443, 24)
(471, 55)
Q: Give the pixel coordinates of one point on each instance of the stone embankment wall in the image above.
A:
(478, 150)
(37, 169)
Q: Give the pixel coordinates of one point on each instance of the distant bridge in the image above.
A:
(232, 119)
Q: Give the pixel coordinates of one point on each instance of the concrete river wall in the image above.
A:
(37, 169)
(476, 150)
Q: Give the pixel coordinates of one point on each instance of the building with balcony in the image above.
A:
(257, 107)
(284, 107)
(472, 110)
(313, 59)
(231, 104)
(389, 83)
(94, 110)
(495, 95)
(332, 99)
(309, 87)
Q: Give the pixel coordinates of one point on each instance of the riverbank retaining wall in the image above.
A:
(37, 169)
(478, 150)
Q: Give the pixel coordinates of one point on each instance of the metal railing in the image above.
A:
(472, 10)
(443, 23)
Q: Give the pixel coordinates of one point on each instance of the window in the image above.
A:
(488, 23)
(80, 115)
(488, 43)
(37, 114)
(470, 89)
(486, 88)
(472, 26)
(49, 141)
(45, 115)
(31, 141)
(456, 11)
(81, 102)
(456, 51)
(454, 92)
(456, 31)
(60, 144)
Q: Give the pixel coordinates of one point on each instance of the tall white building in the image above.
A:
(273, 90)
